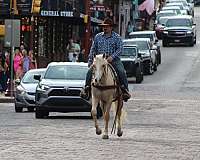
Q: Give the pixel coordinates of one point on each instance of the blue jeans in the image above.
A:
(119, 68)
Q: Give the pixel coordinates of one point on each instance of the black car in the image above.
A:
(59, 90)
(147, 53)
(179, 29)
(132, 62)
(153, 39)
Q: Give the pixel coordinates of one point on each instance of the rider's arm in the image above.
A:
(119, 48)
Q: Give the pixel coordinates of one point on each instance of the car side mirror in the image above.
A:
(156, 40)
(194, 24)
(139, 55)
(17, 81)
(37, 77)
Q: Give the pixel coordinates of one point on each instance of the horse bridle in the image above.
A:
(106, 87)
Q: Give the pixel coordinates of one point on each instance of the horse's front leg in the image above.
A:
(94, 115)
(106, 119)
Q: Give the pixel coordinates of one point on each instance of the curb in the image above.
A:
(7, 100)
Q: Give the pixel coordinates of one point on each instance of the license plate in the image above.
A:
(176, 40)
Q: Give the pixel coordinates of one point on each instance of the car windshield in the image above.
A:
(73, 72)
(164, 15)
(178, 22)
(142, 36)
(129, 51)
(142, 45)
(29, 76)
(162, 20)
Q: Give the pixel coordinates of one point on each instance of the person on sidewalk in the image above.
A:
(110, 43)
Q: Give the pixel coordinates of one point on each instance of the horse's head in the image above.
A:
(99, 69)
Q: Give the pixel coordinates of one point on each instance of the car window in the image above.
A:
(129, 51)
(162, 20)
(164, 15)
(29, 76)
(67, 72)
(142, 45)
(142, 36)
(178, 22)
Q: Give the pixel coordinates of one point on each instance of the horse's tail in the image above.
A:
(123, 111)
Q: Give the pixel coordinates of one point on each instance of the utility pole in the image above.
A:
(87, 28)
(12, 24)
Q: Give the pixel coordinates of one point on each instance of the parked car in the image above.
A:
(174, 8)
(153, 39)
(160, 25)
(59, 90)
(148, 54)
(25, 90)
(164, 14)
(179, 29)
(132, 61)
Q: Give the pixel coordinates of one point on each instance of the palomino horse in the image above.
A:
(105, 91)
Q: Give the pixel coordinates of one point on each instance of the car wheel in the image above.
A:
(155, 66)
(30, 109)
(164, 43)
(195, 40)
(139, 75)
(151, 68)
(191, 44)
(39, 113)
(159, 59)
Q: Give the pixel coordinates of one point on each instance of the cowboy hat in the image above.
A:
(106, 22)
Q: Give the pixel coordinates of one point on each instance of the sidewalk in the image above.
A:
(5, 99)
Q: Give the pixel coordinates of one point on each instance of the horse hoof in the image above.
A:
(119, 133)
(105, 136)
(98, 131)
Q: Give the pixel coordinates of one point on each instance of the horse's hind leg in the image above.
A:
(119, 121)
(94, 115)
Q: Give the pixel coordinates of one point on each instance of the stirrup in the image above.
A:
(85, 93)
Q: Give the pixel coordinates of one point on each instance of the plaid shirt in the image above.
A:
(111, 46)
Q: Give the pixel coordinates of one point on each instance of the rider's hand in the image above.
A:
(109, 59)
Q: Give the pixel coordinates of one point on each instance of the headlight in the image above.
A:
(43, 87)
(20, 90)
(189, 32)
(165, 32)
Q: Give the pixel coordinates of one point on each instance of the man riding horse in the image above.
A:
(109, 43)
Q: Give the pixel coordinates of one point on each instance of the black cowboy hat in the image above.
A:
(107, 22)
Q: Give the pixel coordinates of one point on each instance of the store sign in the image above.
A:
(57, 13)
(4, 7)
(2, 30)
(24, 6)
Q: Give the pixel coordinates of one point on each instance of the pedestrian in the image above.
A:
(18, 64)
(73, 49)
(32, 60)
(129, 29)
(26, 61)
(110, 43)
(3, 73)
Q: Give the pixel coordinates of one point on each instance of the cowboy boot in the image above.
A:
(85, 92)
(126, 95)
